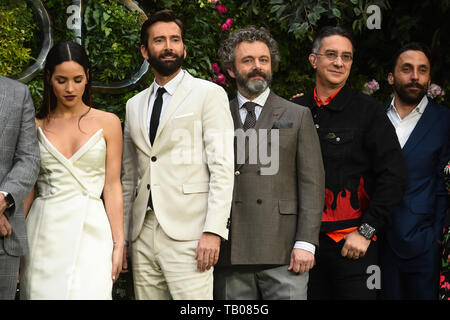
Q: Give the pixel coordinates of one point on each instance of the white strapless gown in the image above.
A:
(68, 230)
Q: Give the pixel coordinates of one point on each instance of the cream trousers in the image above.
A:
(164, 268)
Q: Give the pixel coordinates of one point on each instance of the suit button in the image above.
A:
(148, 187)
(237, 173)
(153, 158)
(259, 201)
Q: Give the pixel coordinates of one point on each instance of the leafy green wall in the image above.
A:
(111, 38)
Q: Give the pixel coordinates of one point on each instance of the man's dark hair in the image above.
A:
(159, 16)
(414, 46)
(328, 32)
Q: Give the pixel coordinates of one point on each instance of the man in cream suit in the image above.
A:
(177, 171)
(278, 199)
(19, 168)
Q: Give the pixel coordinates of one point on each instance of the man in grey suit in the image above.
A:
(19, 167)
(279, 181)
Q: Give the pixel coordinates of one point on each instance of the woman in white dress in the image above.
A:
(75, 244)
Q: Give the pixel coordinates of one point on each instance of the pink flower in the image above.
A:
(215, 68)
(370, 87)
(213, 1)
(220, 79)
(221, 8)
(435, 91)
(227, 25)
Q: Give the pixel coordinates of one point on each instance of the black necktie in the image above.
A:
(250, 119)
(154, 122)
(156, 113)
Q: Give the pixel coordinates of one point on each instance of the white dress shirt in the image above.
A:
(261, 101)
(170, 87)
(404, 127)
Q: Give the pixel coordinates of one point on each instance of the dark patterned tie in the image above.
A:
(250, 119)
(156, 113)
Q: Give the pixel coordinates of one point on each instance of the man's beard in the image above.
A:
(165, 68)
(252, 87)
(408, 97)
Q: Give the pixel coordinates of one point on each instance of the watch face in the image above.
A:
(366, 230)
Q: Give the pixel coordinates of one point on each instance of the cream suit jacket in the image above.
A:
(189, 168)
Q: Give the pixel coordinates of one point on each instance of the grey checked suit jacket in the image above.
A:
(19, 157)
(272, 211)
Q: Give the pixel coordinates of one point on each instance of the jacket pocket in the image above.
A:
(198, 187)
(287, 206)
(336, 143)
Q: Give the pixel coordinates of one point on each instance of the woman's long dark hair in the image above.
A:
(61, 52)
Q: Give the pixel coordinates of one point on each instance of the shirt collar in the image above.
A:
(420, 108)
(172, 85)
(260, 100)
(319, 101)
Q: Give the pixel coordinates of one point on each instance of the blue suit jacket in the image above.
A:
(418, 220)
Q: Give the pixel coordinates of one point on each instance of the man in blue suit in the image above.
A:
(410, 255)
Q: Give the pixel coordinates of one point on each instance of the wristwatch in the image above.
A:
(9, 200)
(366, 231)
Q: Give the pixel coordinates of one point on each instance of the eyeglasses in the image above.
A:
(332, 56)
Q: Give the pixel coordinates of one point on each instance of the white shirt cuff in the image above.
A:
(305, 246)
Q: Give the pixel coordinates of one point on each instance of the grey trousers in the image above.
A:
(9, 271)
(259, 283)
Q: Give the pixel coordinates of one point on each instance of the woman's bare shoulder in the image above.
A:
(109, 121)
(107, 118)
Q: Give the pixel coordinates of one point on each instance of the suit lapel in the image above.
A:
(425, 123)
(178, 97)
(265, 118)
(234, 108)
(143, 115)
(274, 111)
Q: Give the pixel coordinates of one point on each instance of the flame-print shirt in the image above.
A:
(364, 166)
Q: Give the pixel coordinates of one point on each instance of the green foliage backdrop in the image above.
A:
(111, 38)
(16, 32)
